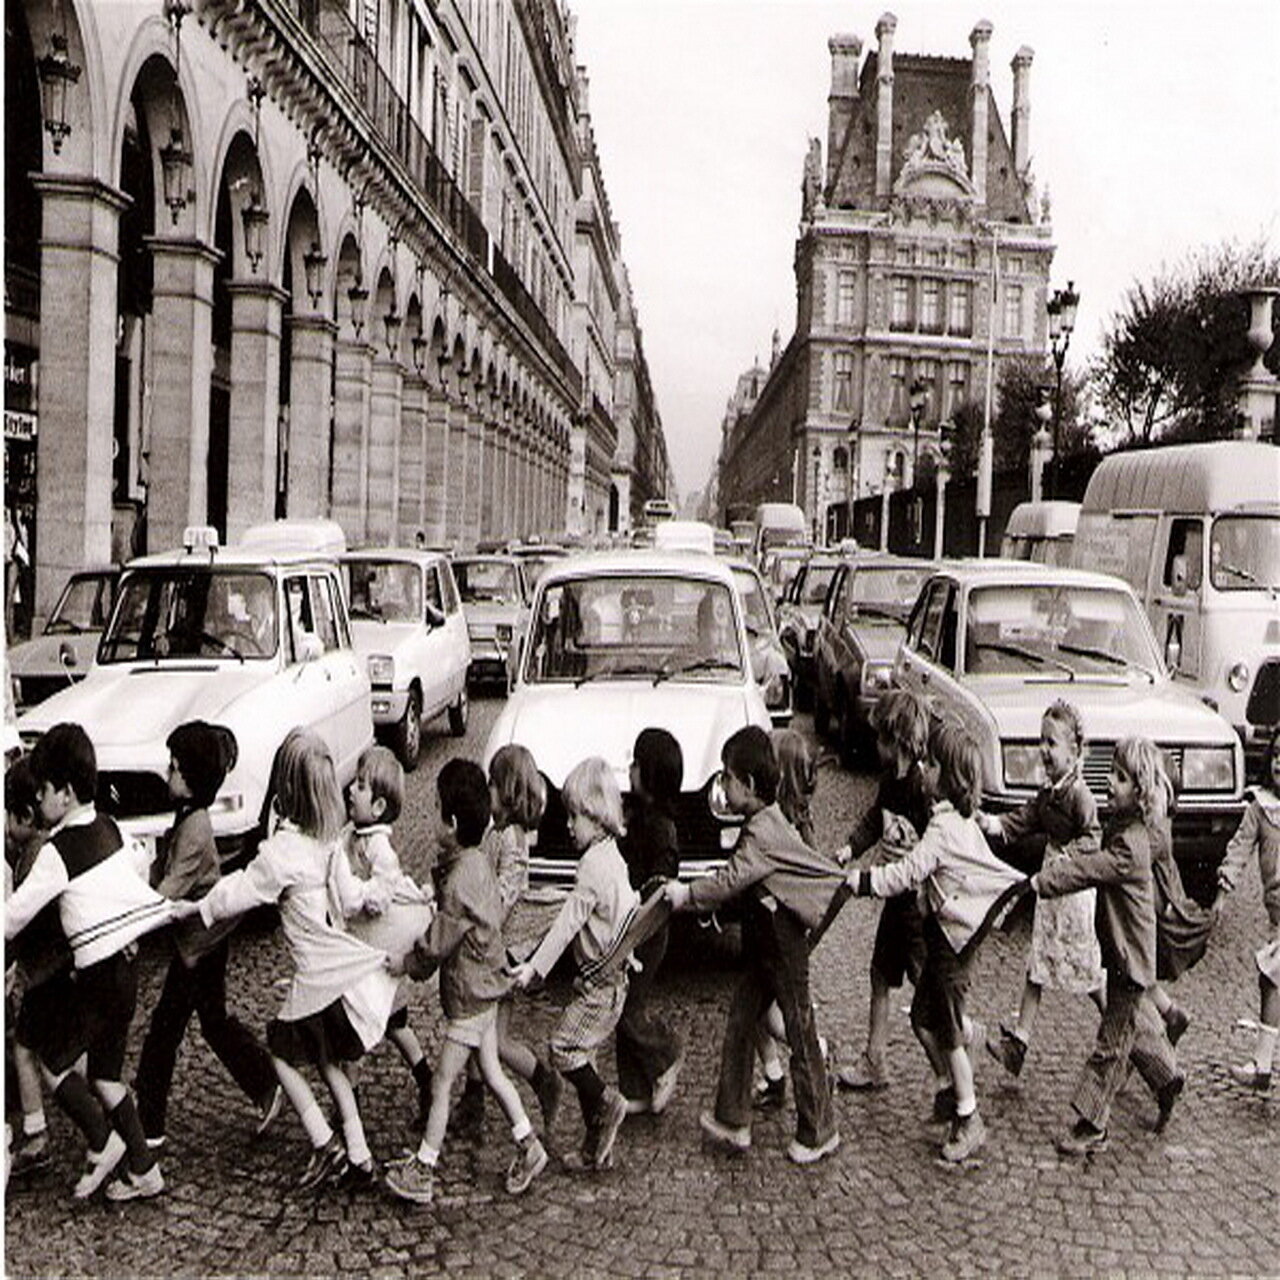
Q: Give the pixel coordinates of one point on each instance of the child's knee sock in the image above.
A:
(73, 1095)
(357, 1145)
(316, 1126)
(124, 1118)
(1264, 1054)
(590, 1087)
(34, 1123)
(422, 1078)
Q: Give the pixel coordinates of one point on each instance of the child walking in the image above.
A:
(892, 826)
(104, 905)
(963, 881)
(200, 757)
(374, 800)
(1064, 951)
(649, 1052)
(1259, 833)
(594, 917)
(1126, 926)
(465, 942)
(786, 887)
(340, 994)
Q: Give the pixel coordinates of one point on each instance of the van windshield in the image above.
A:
(1244, 553)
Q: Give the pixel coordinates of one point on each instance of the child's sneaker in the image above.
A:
(1166, 1096)
(1081, 1139)
(1010, 1051)
(664, 1088)
(329, 1161)
(1176, 1022)
(968, 1133)
(549, 1090)
(529, 1161)
(1252, 1077)
(866, 1075)
(99, 1166)
(137, 1186)
(725, 1136)
(613, 1111)
(944, 1106)
(770, 1095)
(411, 1179)
(269, 1111)
(805, 1153)
(30, 1156)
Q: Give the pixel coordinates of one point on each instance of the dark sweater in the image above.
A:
(650, 847)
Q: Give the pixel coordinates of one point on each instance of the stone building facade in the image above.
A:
(922, 259)
(306, 258)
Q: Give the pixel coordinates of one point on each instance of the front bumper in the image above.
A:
(388, 705)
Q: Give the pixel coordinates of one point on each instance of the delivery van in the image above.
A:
(1195, 530)
(779, 524)
(1041, 531)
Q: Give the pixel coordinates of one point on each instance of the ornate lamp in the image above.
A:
(419, 347)
(313, 264)
(175, 166)
(57, 74)
(255, 218)
(392, 322)
(359, 297)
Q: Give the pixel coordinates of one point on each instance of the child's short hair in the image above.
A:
(205, 754)
(901, 716)
(1140, 758)
(592, 790)
(464, 799)
(797, 767)
(65, 756)
(1066, 715)
(20, 790)
(521, 792)
(379, 767)
(658, 757)
(748, 754)
(306, 786)
(959, 760)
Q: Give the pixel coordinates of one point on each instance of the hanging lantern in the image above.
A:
(313, 264)
(57, 74)
(419, 345)
(392, 321)
(255, 219)
(359, 296)
(175, 164)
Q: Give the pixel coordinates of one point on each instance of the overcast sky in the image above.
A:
(1154, 126)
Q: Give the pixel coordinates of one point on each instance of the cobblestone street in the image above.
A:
(1199, 1199)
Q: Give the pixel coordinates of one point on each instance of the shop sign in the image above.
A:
(19, 425)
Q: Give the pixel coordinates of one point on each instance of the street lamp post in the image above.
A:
(1062, 320)
(919, 392)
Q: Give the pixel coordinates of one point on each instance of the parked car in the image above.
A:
(685, 535)
(1041, 531)
(863, 621)
(779, 566)
(535, 556)
(798, 616)
(60, 655)
(257, 641)
(993, 642)
(495, 599)
(619, 641)
(408, 625)
(768, 658)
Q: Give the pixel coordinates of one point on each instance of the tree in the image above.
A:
(1172, 356)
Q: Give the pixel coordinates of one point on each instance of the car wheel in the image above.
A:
(459, 714)
(408, 733)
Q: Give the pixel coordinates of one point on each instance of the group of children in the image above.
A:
(1111, 921)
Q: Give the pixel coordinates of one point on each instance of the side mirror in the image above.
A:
(67, 654)
(1179, 575)
(309, 647)
(434, 616)
(1173, 650)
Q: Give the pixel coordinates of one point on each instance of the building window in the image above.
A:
(927, 372)
(844, 297)
(843, 399)
(901, 314)
(904, 255)
(962, 257)
(1013, 266)
(957, 386)
(899, 406)
(933, 257)
(1013, 311)
(931, 306)
(958, 320)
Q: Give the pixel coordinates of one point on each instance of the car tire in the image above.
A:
(460, 713)
(407, 738)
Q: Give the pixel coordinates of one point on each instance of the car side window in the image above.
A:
(325, 614)
(836, 595)
(298, 602)
(434, 599)
(450, 589)
(929, 643)
(1186, 540)
(947, 646)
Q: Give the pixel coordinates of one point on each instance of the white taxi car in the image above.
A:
(618, 642)
(257, 641)
(994, 642)
(408, 625)
(495, 599)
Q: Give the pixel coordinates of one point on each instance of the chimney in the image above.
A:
(584, 90)
(1021, 65)
(885, 28)
(980, 42)
(842, 100)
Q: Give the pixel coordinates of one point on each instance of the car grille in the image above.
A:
(1097, 765)
(33, 689)
(125, 794)
(1264, 699)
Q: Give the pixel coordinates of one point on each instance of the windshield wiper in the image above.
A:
(210, 638)
(1039, 659)
(604, 672)
(699, 664)
(367, 611)
(1101, 655)
(1242, 573)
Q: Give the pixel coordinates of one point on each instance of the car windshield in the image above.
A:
(83, 607)
(487, 581)
(813, 590)
(886, 590)
(1244, 553)
(654, 627)
(1052, 628)
(180, 612)
(389, 590)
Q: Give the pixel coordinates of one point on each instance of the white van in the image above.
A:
(779, 524)
(1041, 531)
(1195, 529)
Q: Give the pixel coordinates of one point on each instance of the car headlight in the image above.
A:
(1208, 769)
(1023, 766)
(1238, 677)
(718, 803)
(775, 692)
(503, 633)
(877, 677)
(382, 669)
(227, 802)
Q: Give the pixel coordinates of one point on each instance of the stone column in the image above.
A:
(310, 413)
(842, 100)
(520, 478)
(78, 268)
(491, 515)
(435, 466)
(475, 468)
(181, 368)
(980, 42)
(352, 378)
(1021, 118)
(256, 310)
(456, 472)
(885, 28)
(385, 398)
(412, 514)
